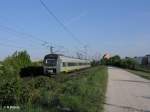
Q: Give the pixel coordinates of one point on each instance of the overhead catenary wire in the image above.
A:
(43, 42)
(11, 46)
(60, 23)
(10, 43)
(23, 33)
(15, 45)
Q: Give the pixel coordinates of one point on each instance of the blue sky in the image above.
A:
(115, 26)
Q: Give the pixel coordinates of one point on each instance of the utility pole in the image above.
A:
(85, 51)
(51, 49)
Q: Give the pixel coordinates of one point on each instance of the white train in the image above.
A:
(55, 63)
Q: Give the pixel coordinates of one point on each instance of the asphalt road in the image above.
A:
(126, 92)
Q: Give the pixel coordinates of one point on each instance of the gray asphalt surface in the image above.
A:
(127, 92)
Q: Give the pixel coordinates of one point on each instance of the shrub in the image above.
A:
(13, 64)
(9, 92)
(10, 86)
(85, 93)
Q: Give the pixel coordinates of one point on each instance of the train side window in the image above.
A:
(72, 64)
(64, 64)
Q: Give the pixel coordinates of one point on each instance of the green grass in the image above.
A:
(142, 68)
(82, 93)
(86, 93)
(143, 74)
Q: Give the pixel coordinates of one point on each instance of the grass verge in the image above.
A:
(86, 93)
(82, 93)
(143, 74)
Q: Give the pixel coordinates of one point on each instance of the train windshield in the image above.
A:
(51, 62)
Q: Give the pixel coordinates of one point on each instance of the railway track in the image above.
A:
(59, 77)
(73, 74)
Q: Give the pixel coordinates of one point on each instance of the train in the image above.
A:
(57, 63)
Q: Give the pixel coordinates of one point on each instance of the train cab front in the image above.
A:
(50, 64)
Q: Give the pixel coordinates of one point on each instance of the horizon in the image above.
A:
(115, 27)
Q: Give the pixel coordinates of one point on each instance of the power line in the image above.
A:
(44, 43)
(59, 22)
(23, 33)
(8, 29)
(29, 36)
(14, 45)
(10, 45)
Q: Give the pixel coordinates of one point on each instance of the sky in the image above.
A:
(104, 26)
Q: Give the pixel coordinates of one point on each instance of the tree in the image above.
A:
(131, 63)
(13, 64)
(115, 60)
(10, 85)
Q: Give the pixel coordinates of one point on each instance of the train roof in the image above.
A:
(63, 56)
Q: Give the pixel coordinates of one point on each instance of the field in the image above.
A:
(82, 93)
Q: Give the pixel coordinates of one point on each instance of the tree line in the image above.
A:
(116, 60)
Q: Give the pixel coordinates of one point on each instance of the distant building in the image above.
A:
(145, 60)
(148, 58)
(138, 60)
